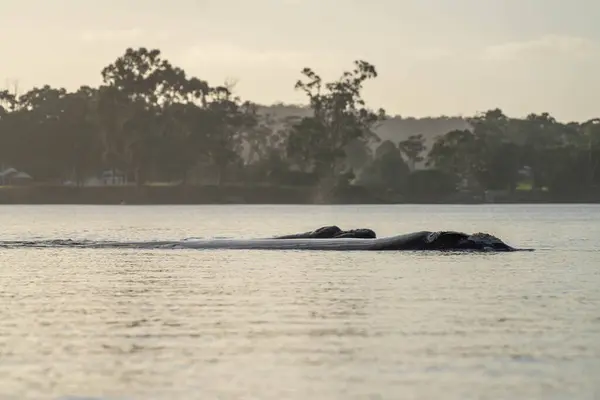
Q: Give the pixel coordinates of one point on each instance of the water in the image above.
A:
(189, 324)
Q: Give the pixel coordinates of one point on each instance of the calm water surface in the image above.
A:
(217, 324)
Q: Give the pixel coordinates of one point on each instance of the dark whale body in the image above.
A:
(424, 240)
(332, 232)
(325, 238)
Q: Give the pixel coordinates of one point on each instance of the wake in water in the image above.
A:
(326, 238)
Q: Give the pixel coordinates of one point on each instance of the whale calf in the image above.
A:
(332, 232)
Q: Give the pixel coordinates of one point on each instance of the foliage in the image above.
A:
(339, 118)
(154, 122)
(387, 171)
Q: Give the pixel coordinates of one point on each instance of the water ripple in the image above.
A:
(152, 324)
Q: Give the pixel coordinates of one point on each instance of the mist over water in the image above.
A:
(161, 324)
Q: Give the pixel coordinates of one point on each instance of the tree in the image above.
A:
(339, 117)
(79, 135)
(387, 171)
(141, 91)
(456, 153)
(430, 185)
(413, 148)
(591, 134)
(153, 121)
(358, 154)
(538, 135)
(7, 106)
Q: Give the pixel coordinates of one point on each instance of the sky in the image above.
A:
(434, 57)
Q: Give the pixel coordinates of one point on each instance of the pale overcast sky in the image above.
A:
(434, 56)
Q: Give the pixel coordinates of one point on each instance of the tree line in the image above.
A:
(154, 122)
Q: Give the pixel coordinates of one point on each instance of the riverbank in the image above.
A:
(256, 194)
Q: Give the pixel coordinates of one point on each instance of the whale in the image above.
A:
(332, 232)
(323, 238)
(334, 238)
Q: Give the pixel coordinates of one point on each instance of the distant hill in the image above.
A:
(395, 128)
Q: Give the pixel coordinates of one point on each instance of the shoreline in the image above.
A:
(252, 194)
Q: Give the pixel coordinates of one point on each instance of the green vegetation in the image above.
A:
(158, 125)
